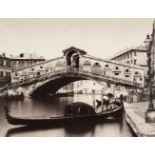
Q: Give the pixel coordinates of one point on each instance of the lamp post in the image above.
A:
(150, 82)
(150, 113)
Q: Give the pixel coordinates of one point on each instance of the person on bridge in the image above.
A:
(105, 102)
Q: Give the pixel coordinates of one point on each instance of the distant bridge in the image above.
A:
(49, 76)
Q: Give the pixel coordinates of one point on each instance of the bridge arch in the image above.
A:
(60, 80)
(56, 81)
(72, 58)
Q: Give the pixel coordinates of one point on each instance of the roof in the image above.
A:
(132, 50)
(81, 104)
(79, 108)
(113, 62)
(4, 57)
(82, 52)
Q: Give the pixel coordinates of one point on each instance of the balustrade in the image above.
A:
(71, 71)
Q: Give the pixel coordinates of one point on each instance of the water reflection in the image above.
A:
(80, 129)
(55, 107)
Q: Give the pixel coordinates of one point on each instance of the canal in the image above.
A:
(55, 107)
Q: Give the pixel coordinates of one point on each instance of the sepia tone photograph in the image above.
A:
(77, 77)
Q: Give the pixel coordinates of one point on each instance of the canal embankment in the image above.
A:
(135, 117)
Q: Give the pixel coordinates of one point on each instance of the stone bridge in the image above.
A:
(75, 64)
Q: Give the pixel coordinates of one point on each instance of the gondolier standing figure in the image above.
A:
(93, 96)
(104, 99)
(102, 93)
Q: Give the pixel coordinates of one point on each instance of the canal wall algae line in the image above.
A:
(137, 123)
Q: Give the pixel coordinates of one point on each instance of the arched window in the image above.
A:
(96, 65)
(72, 58)
(87, 63)
(107, 71)
(127, 70)
(97, 68)
(116, 73)
(136, 73)
(127, 76)
(58, 64)
(116, 68)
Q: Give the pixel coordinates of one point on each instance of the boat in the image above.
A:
(109, 99)
(12, 97)
(73, 113)
(116, 102)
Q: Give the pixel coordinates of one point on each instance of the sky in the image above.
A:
(49, 37)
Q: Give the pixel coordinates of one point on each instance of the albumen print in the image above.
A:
(77, 77)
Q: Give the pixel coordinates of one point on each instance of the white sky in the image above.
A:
(48, 37)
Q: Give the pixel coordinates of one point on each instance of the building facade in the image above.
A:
(8, 64)
(67, 89)
(5, 70)
(86, 87)
(137, 56)
(132, 57)
(24, 59)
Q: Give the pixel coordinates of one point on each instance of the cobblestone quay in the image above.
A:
(135, 117)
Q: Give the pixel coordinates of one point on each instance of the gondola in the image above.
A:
(74, 113)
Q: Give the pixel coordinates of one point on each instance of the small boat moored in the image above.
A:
(12, 97)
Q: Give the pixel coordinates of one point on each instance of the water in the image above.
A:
(55, 107)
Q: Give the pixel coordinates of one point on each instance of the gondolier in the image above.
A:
(93, 97)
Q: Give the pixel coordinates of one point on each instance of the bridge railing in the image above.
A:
(70, 70)
(110, 78)
(3, 88)
(101, 76)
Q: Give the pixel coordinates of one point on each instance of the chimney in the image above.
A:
(3, 54)
(147, 41)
